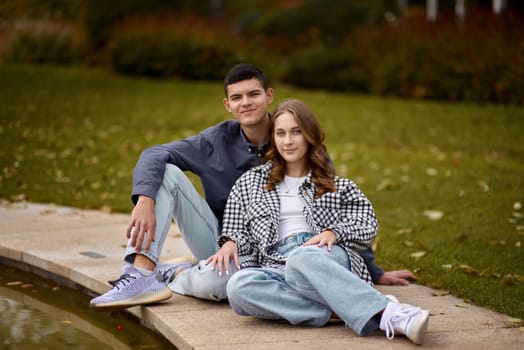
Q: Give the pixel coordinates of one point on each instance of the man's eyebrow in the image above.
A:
(248, 93)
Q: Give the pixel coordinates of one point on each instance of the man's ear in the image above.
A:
(226, 104)
(270, 94)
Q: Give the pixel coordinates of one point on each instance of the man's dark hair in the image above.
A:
(244, 71)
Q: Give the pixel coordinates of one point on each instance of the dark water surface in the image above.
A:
(38, 313)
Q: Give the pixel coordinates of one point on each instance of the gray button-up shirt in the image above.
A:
(218, 155)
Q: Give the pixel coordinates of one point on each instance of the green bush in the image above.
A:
(153, 55)
(44, 46)
(450, 66)
(328, 21)
(328, 69)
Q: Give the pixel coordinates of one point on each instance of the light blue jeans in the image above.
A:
(314, 284)
(177, 198)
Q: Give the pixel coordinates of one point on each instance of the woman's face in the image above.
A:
(289, 140)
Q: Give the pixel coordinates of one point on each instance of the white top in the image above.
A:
(292, 219)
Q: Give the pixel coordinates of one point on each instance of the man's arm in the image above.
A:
(379, 276)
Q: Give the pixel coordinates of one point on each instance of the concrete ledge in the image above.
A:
(86, 247)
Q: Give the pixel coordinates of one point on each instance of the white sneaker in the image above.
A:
(405, 319)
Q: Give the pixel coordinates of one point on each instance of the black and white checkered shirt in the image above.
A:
(252, 216)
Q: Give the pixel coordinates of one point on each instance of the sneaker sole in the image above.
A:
(141, 299)
(419, 327)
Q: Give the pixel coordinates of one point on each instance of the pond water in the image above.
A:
(37, 313)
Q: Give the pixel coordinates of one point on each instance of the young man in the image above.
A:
(161, 191)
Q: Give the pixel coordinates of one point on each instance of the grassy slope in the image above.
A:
(72, 136)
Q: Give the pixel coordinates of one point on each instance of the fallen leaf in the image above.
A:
(517, 206)
(16, 283)
(417, 255)
(408, 243)
(66, 322)
(518, 244)
(510, 279)
(26, 285)
(384, 184)
(433, 214)
(431, 172)
(515, 320)
(447, 266)
(468, 269)
(440, 293)
(490, 274)
(464, 306)
(51, 208)
(483, 185)
(404, 230)
(517, 215)
(461, 238)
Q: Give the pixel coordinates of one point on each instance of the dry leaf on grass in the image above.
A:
(440, 293)
(433, 214)
(417, 255)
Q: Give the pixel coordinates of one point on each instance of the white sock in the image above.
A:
(143, 271)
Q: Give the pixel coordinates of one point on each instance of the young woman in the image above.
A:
(302, 227)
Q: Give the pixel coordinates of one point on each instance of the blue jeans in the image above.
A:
(177, 198)
(314, 284)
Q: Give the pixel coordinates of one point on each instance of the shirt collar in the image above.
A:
(252, 148)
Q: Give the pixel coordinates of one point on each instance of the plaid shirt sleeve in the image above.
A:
(356, 226)
(234, 220)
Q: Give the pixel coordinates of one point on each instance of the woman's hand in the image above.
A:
(223, 256)
(327, 237)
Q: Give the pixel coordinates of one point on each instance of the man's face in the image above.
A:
(248, 102)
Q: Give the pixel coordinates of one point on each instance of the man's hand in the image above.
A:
(142, 224)
(221, 259)
(399, 278)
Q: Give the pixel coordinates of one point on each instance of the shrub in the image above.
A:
(448, 66)
(328, 69)
(44, 44)
(168, 55)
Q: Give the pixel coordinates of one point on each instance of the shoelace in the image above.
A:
(122, 281)
(401, 314)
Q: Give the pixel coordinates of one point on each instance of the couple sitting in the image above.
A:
(292, 242)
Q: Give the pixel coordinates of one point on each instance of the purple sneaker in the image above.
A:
(132, 288)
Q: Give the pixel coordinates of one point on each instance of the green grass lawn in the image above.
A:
(446, 179)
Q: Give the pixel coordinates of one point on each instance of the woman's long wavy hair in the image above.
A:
(318, 161)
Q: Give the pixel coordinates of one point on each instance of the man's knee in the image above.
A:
(201, 282)
(173, 173)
